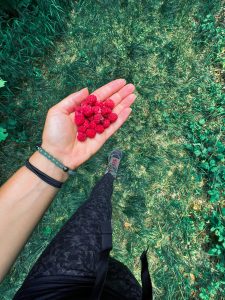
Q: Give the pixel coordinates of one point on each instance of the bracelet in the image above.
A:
(43, 176)
(54, 160)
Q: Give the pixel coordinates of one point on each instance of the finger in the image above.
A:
(125, 103)
(122, 117)
(122, 93)
(109, 89)
(68, 104)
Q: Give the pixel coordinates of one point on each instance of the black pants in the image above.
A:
(67, 267)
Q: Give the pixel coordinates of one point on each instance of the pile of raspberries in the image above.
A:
(93, 116)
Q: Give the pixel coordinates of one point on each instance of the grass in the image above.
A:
(151, 44)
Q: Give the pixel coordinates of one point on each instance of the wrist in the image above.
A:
(48, 167)
(65, 158)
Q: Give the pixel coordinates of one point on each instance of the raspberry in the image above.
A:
(91, 133)
(97, 109)
(81, 136)
(84, 103)
(109, 103)
(91, 99)
(78, 109)
(98, 118)
(86, 124)
(78, 112)
(79, 119)
(87, 110)
(92, 125)
(112, 117)
(99, 129)
(106, 110)
(93, 116)
(106, 123)
(99, 103)
(81, 128)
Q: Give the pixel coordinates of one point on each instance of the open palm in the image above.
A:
(59, 135)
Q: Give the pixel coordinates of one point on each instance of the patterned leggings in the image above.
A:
(66, 268)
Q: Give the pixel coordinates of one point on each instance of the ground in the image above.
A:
(152, 45)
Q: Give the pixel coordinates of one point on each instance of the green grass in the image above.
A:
(153, 45)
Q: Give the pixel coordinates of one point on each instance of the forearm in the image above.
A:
(23, 200)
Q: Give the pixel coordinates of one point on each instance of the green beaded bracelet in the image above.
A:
(54, 160)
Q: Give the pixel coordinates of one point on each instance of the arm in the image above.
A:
(25, 197)
(23, 201)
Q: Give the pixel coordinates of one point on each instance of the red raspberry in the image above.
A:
(97, 109)
(99, 129)
(109, 103)
(87, 110)
(79, 119)
(98, 118)
(106, 123)
(81, 128)
(106, 110)
(81, 136)
(92, 125)
(91, 99)
(91, 133)
(112, 117)
(86, 124)
(91, 118)
(99, 103)
(78, 112)
(78, 109)
(84, 103)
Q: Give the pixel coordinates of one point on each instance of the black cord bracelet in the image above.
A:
(43, 176)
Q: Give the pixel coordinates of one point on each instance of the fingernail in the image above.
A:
(122, 79)
(81, 91)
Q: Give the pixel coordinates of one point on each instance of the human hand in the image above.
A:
(60, 132)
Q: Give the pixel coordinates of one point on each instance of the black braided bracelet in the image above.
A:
(43, 176)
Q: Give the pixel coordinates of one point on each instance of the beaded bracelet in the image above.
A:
(54, 160)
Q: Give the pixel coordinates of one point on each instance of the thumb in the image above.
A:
(68, 104)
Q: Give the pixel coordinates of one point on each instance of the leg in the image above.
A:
(74, 251)
(78, 239)
(120, 278)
